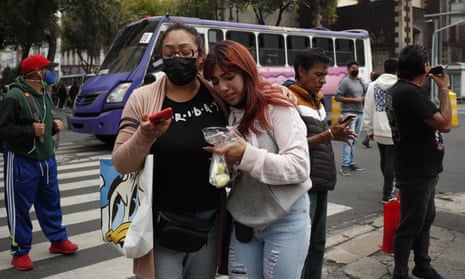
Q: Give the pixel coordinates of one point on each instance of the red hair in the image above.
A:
(233, 56)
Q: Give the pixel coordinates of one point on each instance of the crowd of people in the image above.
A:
(272, 222)
(63, 95)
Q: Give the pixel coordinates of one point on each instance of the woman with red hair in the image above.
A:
(268, 199)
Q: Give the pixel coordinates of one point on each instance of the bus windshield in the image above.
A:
(128, 48)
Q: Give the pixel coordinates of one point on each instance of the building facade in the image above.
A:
(394, 24)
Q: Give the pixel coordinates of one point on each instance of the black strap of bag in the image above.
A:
(182, 232)
(34, 111)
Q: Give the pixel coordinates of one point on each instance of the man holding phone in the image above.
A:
(417, 125)
(311, 68)
(351, 94)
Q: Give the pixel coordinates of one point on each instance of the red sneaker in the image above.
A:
(22, 262)
(65, 247)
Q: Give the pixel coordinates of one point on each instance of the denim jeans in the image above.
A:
(347, 150)
(318, 211)
(417, 212)
(170, 264)
(386, 153)
(278, 251)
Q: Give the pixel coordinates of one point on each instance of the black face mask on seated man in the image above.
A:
(179, 70)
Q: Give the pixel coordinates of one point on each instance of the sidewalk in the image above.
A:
(354, 252)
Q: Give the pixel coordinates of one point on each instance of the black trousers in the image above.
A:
(417, 213)
(386, 153)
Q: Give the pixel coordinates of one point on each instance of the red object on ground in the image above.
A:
(391, 221)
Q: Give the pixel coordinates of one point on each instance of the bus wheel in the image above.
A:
(108, 139)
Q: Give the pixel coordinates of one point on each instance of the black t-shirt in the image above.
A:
(181, 165)
(419, 147)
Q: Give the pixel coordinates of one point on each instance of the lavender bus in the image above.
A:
(134, 56)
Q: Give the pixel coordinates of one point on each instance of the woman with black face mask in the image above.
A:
(181, 166)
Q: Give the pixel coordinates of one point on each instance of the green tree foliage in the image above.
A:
(327, 9)
(9, 75)
(24, 23)
(140, 8)
(206, 9)
(89, 26)
(264, 8)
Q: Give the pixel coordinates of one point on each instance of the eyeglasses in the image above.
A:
(184, 52)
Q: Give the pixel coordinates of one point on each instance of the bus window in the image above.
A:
(326, 44)
(344, 51)
(271, 50)
(360, 50)
(214, 36)
(245, 38)
(294, 45)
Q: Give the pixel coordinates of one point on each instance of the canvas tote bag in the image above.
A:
(126, 208)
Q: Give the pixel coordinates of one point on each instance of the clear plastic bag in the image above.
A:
(220, 175)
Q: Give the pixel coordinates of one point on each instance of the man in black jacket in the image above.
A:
(311, 68)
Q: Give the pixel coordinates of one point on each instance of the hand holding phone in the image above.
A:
(163, 114)
(438, 70)
(348, 117)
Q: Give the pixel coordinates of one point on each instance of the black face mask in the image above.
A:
(179, 70)
(354, 73)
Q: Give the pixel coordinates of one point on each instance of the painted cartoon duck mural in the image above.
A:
(119, 202)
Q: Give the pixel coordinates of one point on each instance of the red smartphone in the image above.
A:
(162, 114)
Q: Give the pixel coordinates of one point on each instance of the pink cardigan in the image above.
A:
(131, 145)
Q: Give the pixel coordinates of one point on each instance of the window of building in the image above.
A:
(455, 84)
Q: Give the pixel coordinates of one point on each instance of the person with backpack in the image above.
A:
(30, 172)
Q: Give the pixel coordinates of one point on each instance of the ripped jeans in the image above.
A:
(278, 251)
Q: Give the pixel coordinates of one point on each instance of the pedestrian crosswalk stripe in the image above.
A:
(68, 219)
(75, 165)
(94, 172)
(40, 251)
(334, 208)
(70, 200)
(106, 270)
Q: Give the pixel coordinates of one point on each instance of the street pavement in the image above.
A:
(353, 249)
(354, 252)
